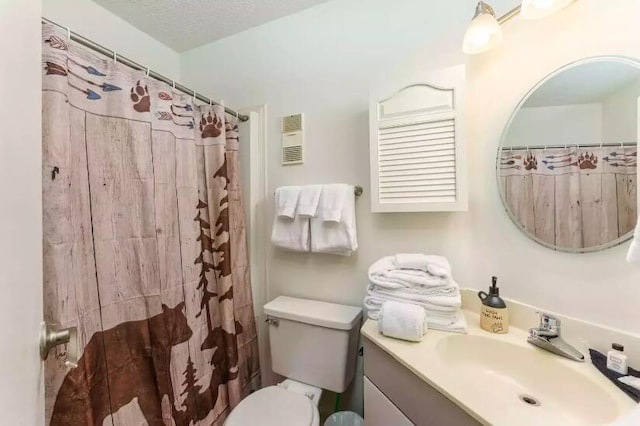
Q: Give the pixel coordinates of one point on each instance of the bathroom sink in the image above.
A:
(524, 379)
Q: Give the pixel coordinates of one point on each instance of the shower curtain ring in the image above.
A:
(173, 84)
(115, 57)
(148, 71)
(194, 96)
(68, 34)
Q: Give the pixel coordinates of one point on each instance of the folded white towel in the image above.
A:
(291, 234)
(633, 256)
(286, 201)
(433, 264)
(332, 200)
(443, 303)
(308, 200)
(408, 290)
(457, 324)
(402, 321)
(337, 237)
(385, 273)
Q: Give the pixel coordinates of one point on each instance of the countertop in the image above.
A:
(486, 405)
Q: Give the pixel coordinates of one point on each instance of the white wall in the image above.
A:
(556, 125)
(21, 389)
(324, 60)
(98, 24)
(620, 115)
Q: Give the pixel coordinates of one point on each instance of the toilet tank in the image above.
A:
(313, 342)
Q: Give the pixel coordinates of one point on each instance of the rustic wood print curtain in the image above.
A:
(571, 197)
(144, 248)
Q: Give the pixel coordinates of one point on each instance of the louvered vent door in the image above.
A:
(418, 161)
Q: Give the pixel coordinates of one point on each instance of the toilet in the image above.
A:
(314, 346)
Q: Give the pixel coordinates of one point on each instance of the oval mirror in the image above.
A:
(567, 162)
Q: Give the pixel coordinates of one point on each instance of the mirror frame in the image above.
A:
(621, 240)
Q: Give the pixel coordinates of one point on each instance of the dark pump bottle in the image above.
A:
(494, 316)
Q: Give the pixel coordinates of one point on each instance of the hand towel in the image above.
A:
(435, 265)
(332, 201)
(337, 237)
(291, 234)
(402, 321)
(633, 256)
(308, 200)
(286, 201)
(384, 272)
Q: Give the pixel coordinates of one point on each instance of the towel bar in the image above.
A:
(358, 190)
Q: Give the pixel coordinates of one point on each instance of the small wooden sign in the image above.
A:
(494, 320)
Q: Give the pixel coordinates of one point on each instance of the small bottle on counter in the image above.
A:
(494, 316)
(617, 360)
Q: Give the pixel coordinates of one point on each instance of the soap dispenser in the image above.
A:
(494, 316)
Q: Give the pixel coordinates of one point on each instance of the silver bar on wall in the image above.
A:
(358, 190)
(136, 66)
(573, 145)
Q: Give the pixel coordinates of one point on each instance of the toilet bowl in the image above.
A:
(314, 344)
(288, 403)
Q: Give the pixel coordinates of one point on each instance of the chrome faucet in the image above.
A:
(547, 336)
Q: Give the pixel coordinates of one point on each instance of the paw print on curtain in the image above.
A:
(530, 162)
(140, 98)
(587, 161)
(211, 126)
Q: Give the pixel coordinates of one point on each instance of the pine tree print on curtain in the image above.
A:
(162, 302)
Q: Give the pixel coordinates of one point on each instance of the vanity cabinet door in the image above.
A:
(379, 411)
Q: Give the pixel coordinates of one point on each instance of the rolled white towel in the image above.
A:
(633, 256)
(402, 321)
(454, 322)
(433, 264)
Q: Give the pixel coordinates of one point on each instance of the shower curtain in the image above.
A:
(144, 248)
(571, 197)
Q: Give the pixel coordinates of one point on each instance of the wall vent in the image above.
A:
(292, 139)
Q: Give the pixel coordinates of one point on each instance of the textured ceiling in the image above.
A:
(185, 24)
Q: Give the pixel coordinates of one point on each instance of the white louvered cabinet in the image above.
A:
(417, 149)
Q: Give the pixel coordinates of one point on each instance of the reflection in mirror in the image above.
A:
(567, 165)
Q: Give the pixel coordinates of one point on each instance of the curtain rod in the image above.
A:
(131, 64)
(572, 145)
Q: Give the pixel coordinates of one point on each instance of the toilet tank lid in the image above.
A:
(323, 314)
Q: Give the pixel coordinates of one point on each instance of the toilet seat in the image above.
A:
(274, 406)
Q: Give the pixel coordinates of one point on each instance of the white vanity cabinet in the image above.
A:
(395, 396)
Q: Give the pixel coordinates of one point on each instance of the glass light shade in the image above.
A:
(538, 9)
(483, 34)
